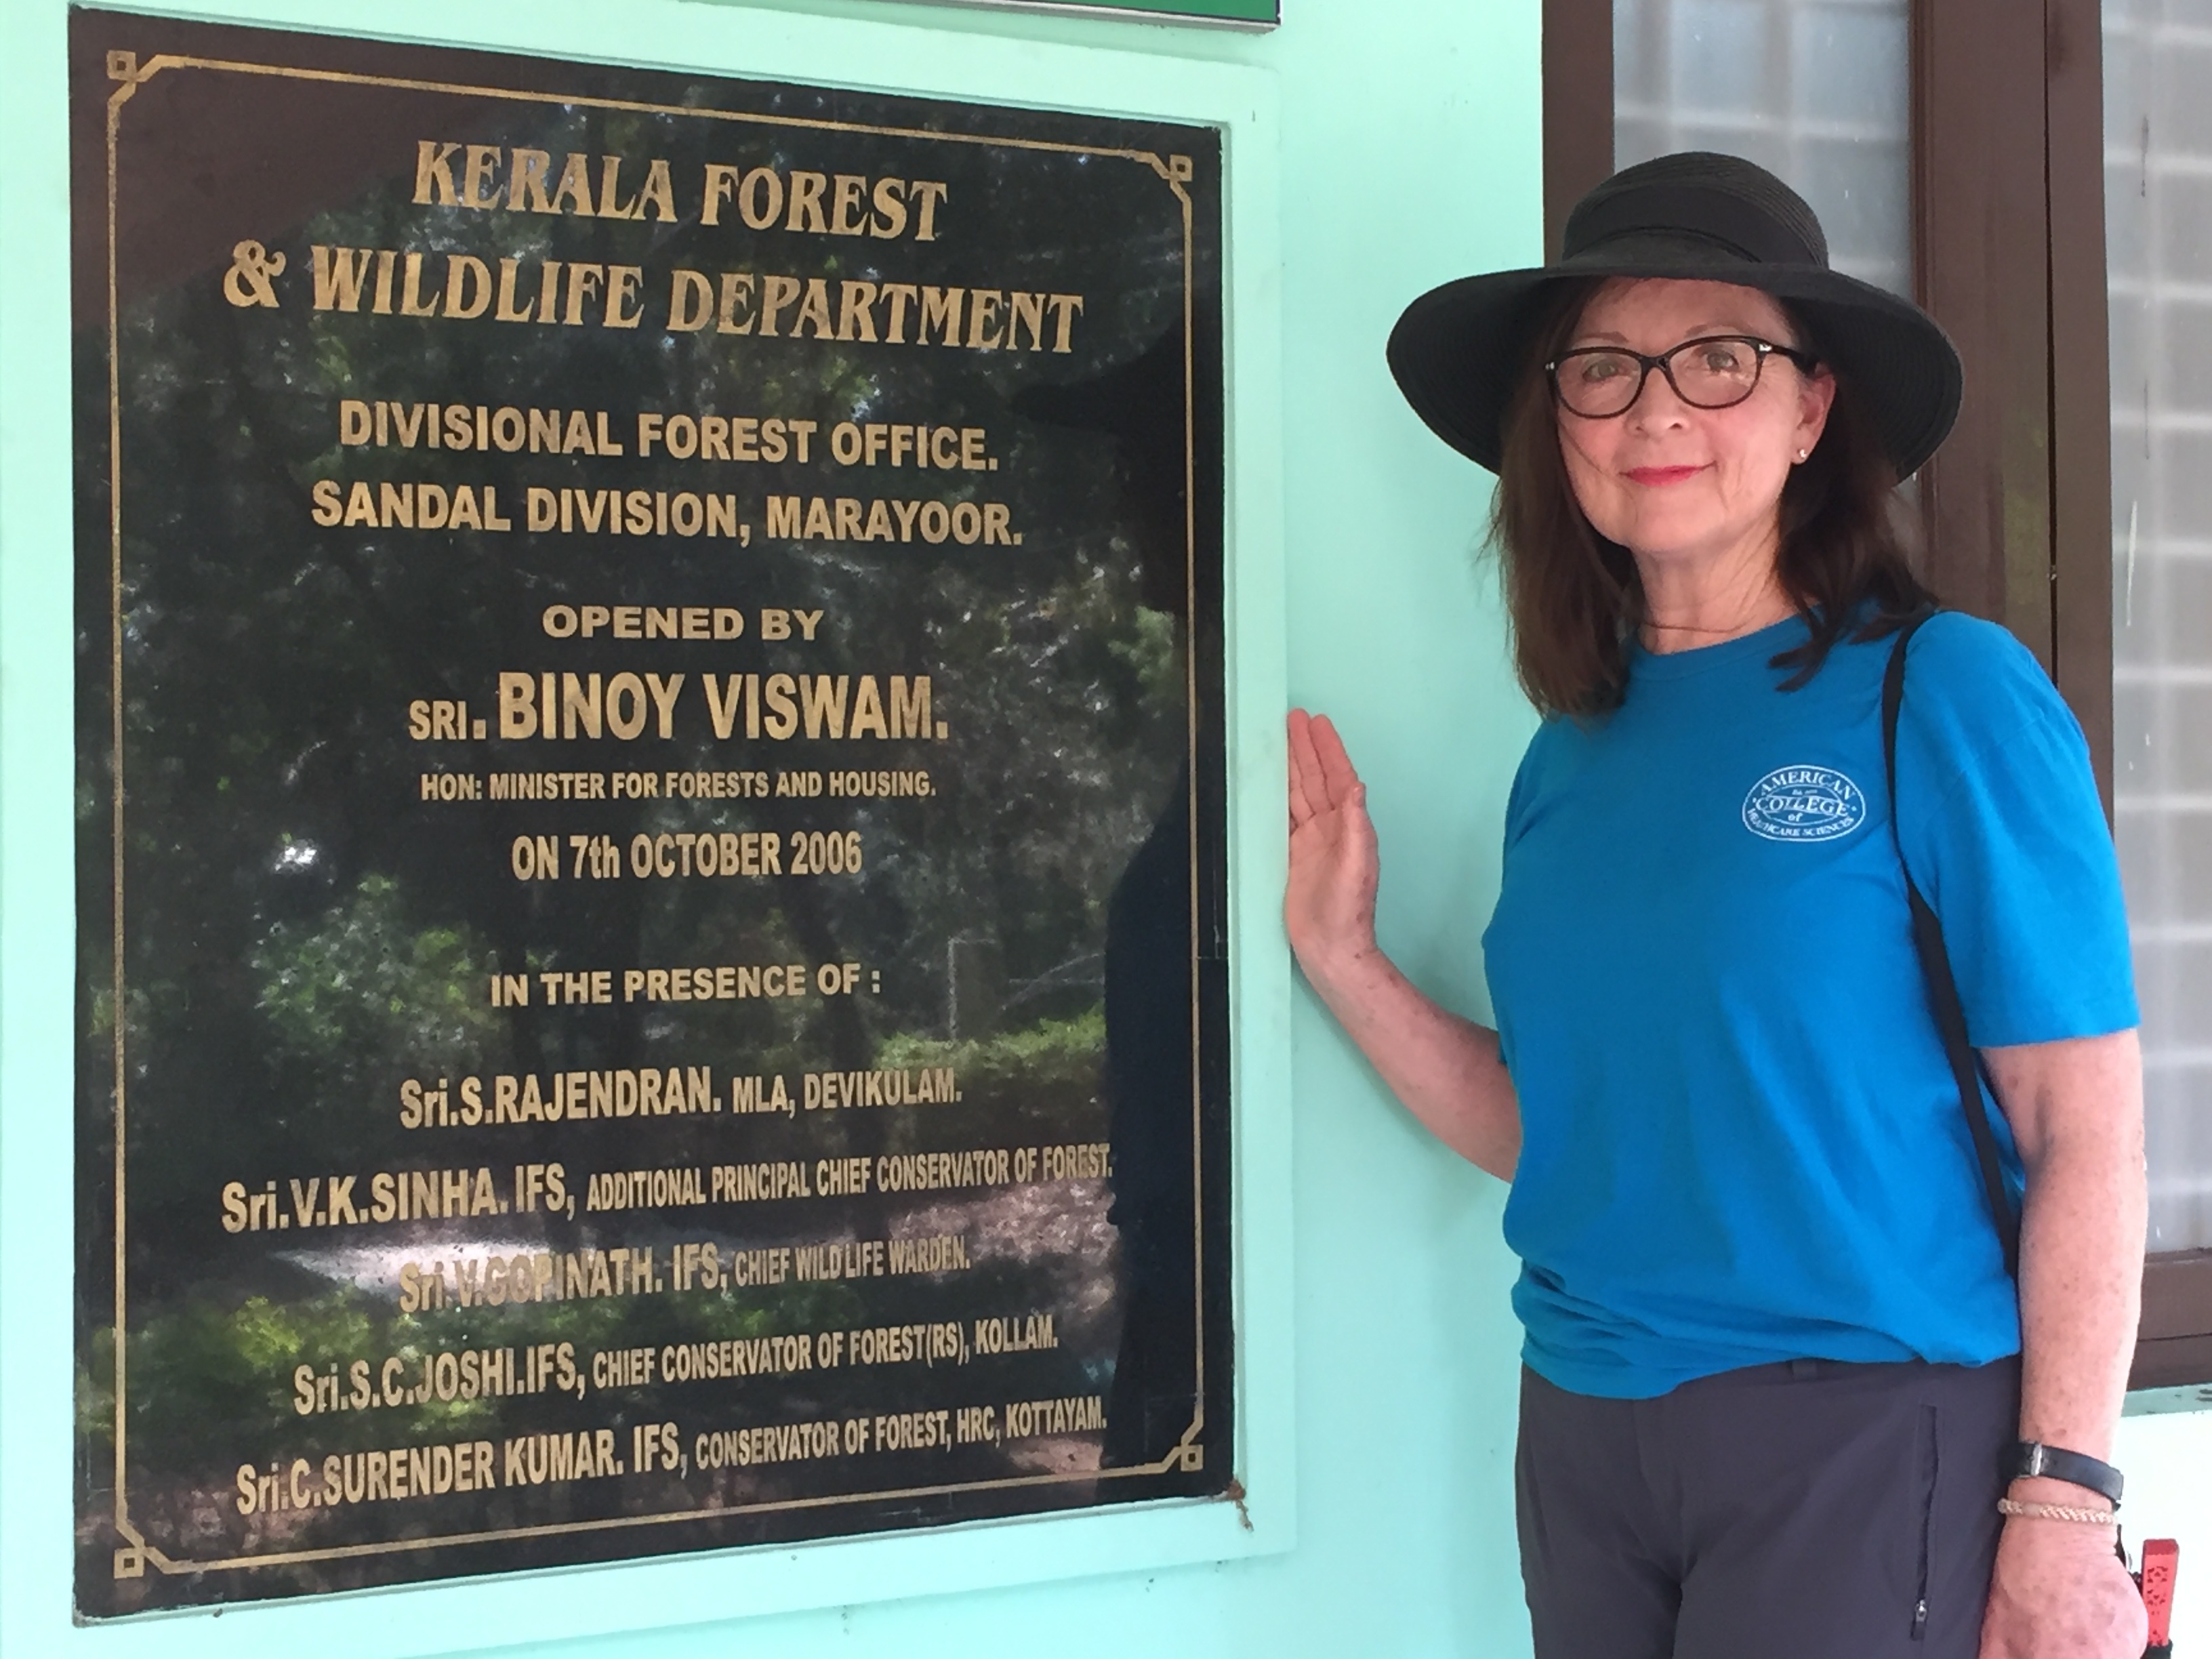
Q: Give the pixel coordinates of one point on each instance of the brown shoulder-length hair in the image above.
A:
(1573, 597)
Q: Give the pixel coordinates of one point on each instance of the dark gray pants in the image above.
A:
(1817, 1510)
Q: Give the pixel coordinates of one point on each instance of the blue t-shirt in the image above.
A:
(1741, 1141)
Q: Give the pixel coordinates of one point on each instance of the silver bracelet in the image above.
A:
(2055, 1512)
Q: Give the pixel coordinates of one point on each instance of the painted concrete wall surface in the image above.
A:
(1408, 153)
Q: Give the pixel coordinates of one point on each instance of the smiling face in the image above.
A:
(1676, 485)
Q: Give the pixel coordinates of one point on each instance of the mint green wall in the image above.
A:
(1409, 153)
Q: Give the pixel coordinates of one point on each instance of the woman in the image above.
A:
(1779, 1381)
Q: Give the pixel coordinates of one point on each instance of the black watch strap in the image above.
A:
(2031, 1459)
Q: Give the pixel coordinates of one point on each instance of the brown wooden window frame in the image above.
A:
(2008, 255)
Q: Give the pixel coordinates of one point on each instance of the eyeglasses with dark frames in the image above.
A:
(1714, 371)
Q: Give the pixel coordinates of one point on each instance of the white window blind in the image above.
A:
(1815, 91)
(2158, 216)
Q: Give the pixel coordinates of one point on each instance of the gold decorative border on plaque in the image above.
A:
(137, 1552)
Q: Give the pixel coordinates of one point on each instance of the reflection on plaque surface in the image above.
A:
(652, 967)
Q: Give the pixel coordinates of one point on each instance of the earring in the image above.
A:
(1803, 453)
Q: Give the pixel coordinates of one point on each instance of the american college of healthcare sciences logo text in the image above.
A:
(1804, 803)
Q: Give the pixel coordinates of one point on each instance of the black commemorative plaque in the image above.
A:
(651, 970)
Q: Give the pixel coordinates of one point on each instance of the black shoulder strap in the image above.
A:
(1935, 965)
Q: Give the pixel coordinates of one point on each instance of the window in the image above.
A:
(1814, 90)
(2158, 162)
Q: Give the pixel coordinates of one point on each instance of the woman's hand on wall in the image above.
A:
(1329, 907)
(1445, 1069)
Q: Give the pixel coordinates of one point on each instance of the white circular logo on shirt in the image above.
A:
(1803, 803)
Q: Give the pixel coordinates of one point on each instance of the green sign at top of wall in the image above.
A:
(1253, 14)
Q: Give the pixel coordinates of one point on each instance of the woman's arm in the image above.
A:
(2077, 1114)
(2076, 1109)
(1446, 1070)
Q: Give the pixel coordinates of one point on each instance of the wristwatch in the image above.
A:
(2032, 1458)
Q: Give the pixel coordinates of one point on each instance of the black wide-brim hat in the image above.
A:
(1458, 350)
